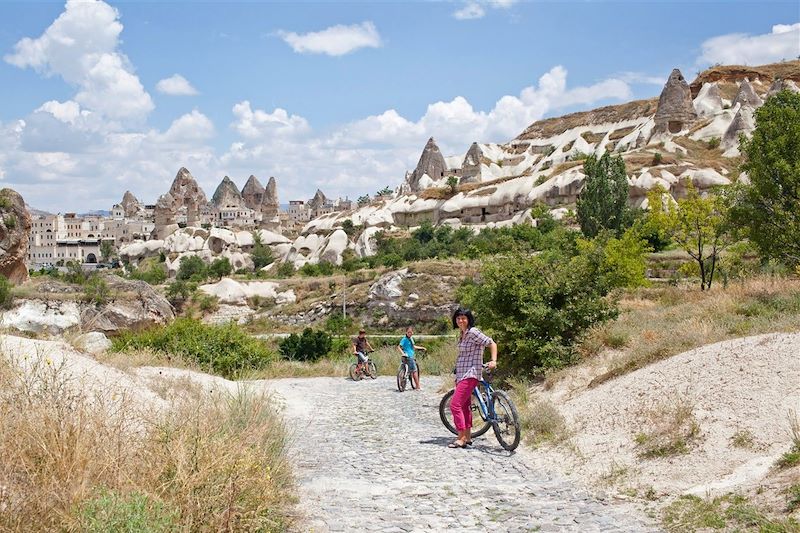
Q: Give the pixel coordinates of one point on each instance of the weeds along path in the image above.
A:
(369, 458)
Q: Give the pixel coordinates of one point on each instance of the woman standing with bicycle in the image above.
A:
(469, 365)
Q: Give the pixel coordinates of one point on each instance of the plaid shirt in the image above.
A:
(469, 363)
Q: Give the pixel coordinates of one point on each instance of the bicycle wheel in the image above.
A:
(411, 378)
(479, 426)
(506, 427)
(355, 375)
(372, 370)
(401, 378)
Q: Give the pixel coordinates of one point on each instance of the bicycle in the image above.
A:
(404, 374)
(491, 408)
(358, 369)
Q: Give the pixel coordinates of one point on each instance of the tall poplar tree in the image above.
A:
(603, 202)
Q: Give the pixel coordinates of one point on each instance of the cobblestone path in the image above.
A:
(369, 458)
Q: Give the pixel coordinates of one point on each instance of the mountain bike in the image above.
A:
(358, 369)
(491, 408)
(404, 373)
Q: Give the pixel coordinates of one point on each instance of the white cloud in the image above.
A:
(471, 11)
(474, 9)
(638, 77)
(743, 49)
(259, 124)
(176, 85)
(334, 41)
(189, 128)
(81, 47)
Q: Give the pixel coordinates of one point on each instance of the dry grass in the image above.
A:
(593, 138)
(540, 419)
(78, 460)
(787, 70)
(563, 167)
(656, 323)
(620, 133)
(668, 428)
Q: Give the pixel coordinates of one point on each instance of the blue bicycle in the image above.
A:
(490, 408)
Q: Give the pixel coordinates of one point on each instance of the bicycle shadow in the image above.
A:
(477, 445)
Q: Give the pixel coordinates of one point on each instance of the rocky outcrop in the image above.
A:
(742, 124)
(137, 306)
(164, 214)
(431, 163)
(746, 96)
(232, 292)
(471, 167)
(269, 206)
(185, 189)
(131, 206)
(227, 194)
(708, 101)
(675, 110)
(15, 227)
(780, 85)
(253, 193)
(318, 200)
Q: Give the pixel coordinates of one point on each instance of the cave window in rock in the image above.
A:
(675, 126)
(91, 258)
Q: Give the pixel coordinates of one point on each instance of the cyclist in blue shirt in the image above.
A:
(408, 348)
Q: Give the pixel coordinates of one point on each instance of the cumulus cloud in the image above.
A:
(782, 43)
(81, 47)
(176, 85)
(335, 41)
(474, 9)
(260, 124)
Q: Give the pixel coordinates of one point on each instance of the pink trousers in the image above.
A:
(460, 404)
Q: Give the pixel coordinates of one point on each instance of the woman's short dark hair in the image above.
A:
(463, 312)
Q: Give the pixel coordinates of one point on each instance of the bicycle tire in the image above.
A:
(411, 377)
(401, 378)
(372, 370)
(479, 426)
(354, 374)
(506, 425)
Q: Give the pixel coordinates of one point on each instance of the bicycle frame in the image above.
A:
(488, 410)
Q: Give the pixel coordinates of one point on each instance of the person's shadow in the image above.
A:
(477, 445)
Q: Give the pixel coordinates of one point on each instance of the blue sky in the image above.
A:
(103, 97)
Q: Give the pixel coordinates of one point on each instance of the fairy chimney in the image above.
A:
(269, 201)
(675, 110)
(471, 167)
(253, 193)
(747, 95)
(227, 194)
(431, 163)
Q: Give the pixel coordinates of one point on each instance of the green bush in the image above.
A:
(713, 143)
(192, 268)
(262, 255)
(149, 271)
(220, 268)
(10, 221)
(285, 270)
(337, 324)
(96, 291)
(226, 350)
(5, 292)
(537, 308)
(309, 346)
(111, 511)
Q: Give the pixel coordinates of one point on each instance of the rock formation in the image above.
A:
(471, 167)
(164, 214)
(742, 123)
(708, 101)
(675, 110)
(184, 189)
(227, 194)
(269, 206)
(253, 193)
(318, 200)
(131, 205)
(15, 227)
(747, 95)
(431, 163)
(780, 84)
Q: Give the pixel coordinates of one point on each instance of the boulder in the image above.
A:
(708, 101)
(15, 228)
(387, 287)
(338, 242)
(93, 342)
(231, 292)
(42, 316)
(137, 306)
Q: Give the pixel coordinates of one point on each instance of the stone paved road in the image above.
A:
(369, 458)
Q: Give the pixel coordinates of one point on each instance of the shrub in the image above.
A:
(538, 307)
(392, 261)
(96, 291)
(75, 274)
(657, 158)
(179, 290)
(622, 262)
(10, 221)
(285, 270)
(6, 297)
(220, 268)
(713, 143)
(309, 346)
(150, 271)
(226, 350)
(452, 184)
(338, 324)
(262, 255)
(192, 268)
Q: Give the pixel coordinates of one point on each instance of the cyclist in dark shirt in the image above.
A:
(361, 346)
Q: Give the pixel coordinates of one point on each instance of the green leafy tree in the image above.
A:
(424, 233)
(96, 291)
(653, 224)
(701, 227)
(220, 268)
(310, 346)
(179, 291)
(452, 184)
(261, 254)
(536, 308)
(106, 250)
(603, 202)
(348, 227)
(363, 200)
(192, 268)
(768, 208)
(386, 191)
(622, 262)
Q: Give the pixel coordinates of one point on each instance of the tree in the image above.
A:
(386, 191)
(452, 184)
(106, 250)
(363, 200)
(309, 346)
(348, 227)
(768, 208)
(603, 202)
(261, 254)
(653, 225)
(701, 227)
(220, 267)
(192, 267)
